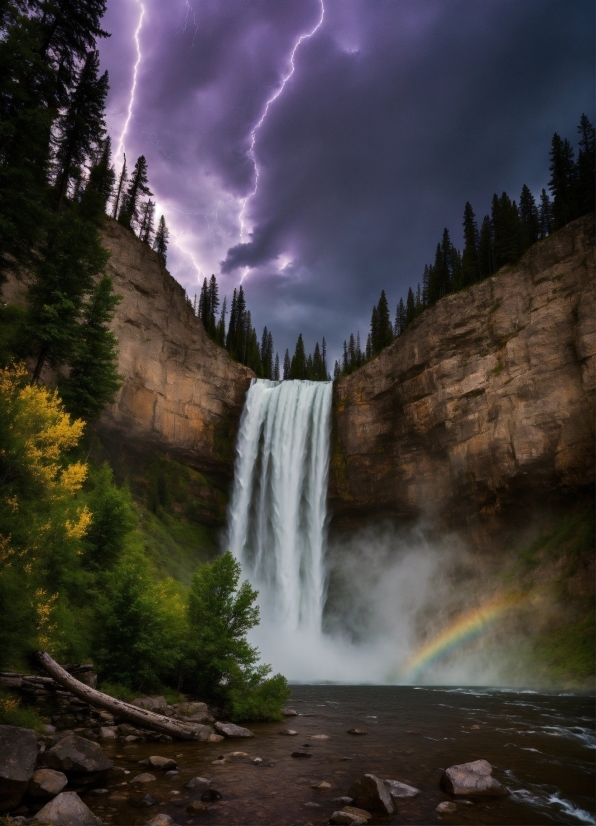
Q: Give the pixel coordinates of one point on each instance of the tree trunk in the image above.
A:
(144, 718)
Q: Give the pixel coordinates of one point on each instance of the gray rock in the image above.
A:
(362, 813)
(67, 809)
(18, 753)
(161, 763)
(399, 790)
(196, 807)
(289, 712)
(357, 731)
(161, 820)
(47, 783)
(108, 733)
(257, 761)
(446, 807)
(343, 801)
(346, 819)
(157, 704)
(371, 793)
(201, 732)
(198, 784)
(78, 758)
(144, 777)
(472, 779)
(193, 712)
(230, 730)
(289, 731)
(216, 738)
(312, 805)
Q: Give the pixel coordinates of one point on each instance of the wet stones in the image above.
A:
(289, 732)
(289, 712)
(342, 818)
(79, 759)
(474, 778)
(198, 784)
(399, 791)
(47, 783)
(231, 730)
(164, 764)
(357, 731)
(67, 809)
(369, 792)
(18, 753)
(446, 807)
(144, 777)
(301, 755)
(160, 820)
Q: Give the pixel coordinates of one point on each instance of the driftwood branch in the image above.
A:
(145, 719)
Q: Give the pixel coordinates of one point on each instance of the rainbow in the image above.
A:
(466, 627)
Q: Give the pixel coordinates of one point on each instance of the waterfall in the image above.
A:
(276, 521)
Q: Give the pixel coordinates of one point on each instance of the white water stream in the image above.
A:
(276, 524)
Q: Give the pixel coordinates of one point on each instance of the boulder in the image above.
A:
(163, 764)
(320, 737)
(446, 807)
(144, 777)
(343, 801)
(354, 810)
(472, 779)
(321, 786)
(198, 784)
(67, 809)
(78, 758)
(215, 738)
(289, 712)
(357, 731)
(301, 754)
(108, 733)
(161, 820)
(193, 712)
(346, 819)
(47, 783)
(230, 730)
(203, 733)
(289, 731)
(157, 704)
(399, 790)
(18, 753)
(371, 793)
(196, 807)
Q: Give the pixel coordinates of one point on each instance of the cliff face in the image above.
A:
(487, 401)
(182, 396)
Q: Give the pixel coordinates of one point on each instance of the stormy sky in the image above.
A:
(320, 191)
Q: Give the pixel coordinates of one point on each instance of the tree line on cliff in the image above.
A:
(76, 573)
(502, 238)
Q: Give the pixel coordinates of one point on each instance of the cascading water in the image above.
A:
(276, 526)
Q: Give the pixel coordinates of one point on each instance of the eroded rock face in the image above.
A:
(487, 398)
(182, 395)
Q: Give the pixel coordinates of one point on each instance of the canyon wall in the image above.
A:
(485, 405)
(182, 395)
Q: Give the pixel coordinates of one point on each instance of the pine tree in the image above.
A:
(123, 178)
(336, 371)
(563, 181)
(213, 306)
(100, 184)
(506, 230)
(470, 269)
(287, 366)
(410, 307)
(146, 228)
(298, 366)
(486, 257)
(374, 333)
(129, 211)
(276, 369)
(81, 127)
(400, 318)
(160, 244)
(586, 167)
(530, 222)
(324, 357)
(385, 329)
(93, 380)
(345, 359)
(221, 324)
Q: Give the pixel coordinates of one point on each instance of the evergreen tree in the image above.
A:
(221, 325)
(100, 184)
(586, 167)
(506, 230)
(213, 306)
(486, 257)
(129, 211)
(545, 215)
(160, 244)
(204, 305)
(324, 356)
(276, 369)
(287, 366)
(400, 318)
(119, 193)
(70, 259)
(345, 359)
(336, 371)
(410, 307)
(385, 328)
(146, 228)
(470, 269)
(298, 366)
(563, 180)
(93, 380)
(81, 127)
(374, 335)
(529, 219)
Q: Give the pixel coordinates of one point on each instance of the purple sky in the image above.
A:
(398, 111)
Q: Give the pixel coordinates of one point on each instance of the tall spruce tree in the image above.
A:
(529, 219)
(122, 179)
(470, 265)
(400, 318)
(146, 226)
(563, 181)
(138, 186)
(81, 127)
(586, 167)
(160, 244)
(410, 307)
(298, 366)
(506, 230)
(93, 380)
(276, 368)
(287, 368)
(486, 256)
(100, 184)
(385, 328)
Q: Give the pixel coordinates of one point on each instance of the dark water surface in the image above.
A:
(542, 748)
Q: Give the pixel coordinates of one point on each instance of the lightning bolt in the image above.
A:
(270, 101)
(135, 72)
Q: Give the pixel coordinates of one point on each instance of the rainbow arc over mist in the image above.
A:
(464, 628)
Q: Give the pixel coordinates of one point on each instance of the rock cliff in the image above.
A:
(182, 395)
(485, 402)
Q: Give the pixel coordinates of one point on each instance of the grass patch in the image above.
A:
(13, 713)
(567, 654)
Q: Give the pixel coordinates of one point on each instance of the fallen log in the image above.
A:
(143, 718)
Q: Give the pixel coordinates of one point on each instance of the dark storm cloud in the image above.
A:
(398, 112)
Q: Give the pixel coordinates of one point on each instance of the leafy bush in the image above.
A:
(12, 713)
(221, 665)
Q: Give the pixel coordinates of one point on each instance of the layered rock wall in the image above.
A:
(485, 402)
